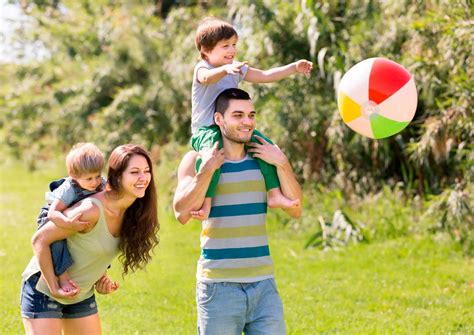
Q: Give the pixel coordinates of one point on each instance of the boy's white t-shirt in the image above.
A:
(204, 96)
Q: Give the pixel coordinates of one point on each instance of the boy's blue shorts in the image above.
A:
(36, 305)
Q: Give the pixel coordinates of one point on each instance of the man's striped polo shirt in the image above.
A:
(234, 242)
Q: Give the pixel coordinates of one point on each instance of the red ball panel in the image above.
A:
(386, 78)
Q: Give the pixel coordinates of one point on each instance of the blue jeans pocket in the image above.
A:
(205, 292)
(273, 283)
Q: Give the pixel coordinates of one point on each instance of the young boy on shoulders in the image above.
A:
(217, 71)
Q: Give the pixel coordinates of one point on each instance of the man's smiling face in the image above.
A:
(238, 122)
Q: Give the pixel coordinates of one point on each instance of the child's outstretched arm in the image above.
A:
(212, 76)
(59, 219)
(302, 66)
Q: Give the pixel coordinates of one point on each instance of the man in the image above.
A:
(235, 289)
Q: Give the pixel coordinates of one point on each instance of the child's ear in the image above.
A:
(204, 54)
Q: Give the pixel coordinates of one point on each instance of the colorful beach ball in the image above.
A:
(377, 98)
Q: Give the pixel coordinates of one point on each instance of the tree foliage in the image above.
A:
(121, 71)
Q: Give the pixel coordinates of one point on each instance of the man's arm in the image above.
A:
(192, 187)
(288, 183)
(290, 186)
(258, 76)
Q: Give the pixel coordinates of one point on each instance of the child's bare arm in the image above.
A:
(59, 219)
(212, 76)
(258, 76)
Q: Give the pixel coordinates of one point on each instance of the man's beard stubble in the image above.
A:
(234, 139)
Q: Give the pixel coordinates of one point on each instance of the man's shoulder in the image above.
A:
(187, 165)
(190, 157)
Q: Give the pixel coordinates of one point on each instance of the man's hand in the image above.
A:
(267, 152)
(212, 159)
(234, 68)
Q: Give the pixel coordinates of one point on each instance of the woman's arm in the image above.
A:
(105, 285)
(50, 233)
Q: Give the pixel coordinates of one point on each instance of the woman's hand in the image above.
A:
(61, 293)
(105, 285)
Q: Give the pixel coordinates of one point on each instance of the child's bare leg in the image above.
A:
(276, 199)
(203, 212)
(66, 283)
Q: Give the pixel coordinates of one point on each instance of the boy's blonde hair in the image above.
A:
(84, 158)
(211, 31)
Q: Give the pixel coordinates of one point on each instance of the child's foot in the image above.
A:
(202, 213)
(276, 199)
(66, 283)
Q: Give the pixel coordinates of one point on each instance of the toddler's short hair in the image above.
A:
(84, 158)
(210, 32)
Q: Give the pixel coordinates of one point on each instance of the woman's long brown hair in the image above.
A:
(138, 235)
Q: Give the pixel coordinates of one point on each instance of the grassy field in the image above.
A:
(410, 285)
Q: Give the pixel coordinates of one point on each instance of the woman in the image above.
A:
(123, 220)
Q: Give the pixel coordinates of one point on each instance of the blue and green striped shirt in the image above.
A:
(234, 242)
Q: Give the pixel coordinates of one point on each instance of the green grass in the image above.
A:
(409, 285)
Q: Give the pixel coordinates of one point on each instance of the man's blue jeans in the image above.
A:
(232, 308)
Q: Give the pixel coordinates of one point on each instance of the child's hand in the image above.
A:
(77, 224)
(60, 293)
(304, 66)
(105, 285)
(234, 68)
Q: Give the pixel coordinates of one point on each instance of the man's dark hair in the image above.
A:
(222, 100)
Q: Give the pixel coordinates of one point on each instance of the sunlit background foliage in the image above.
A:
(120, 71)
